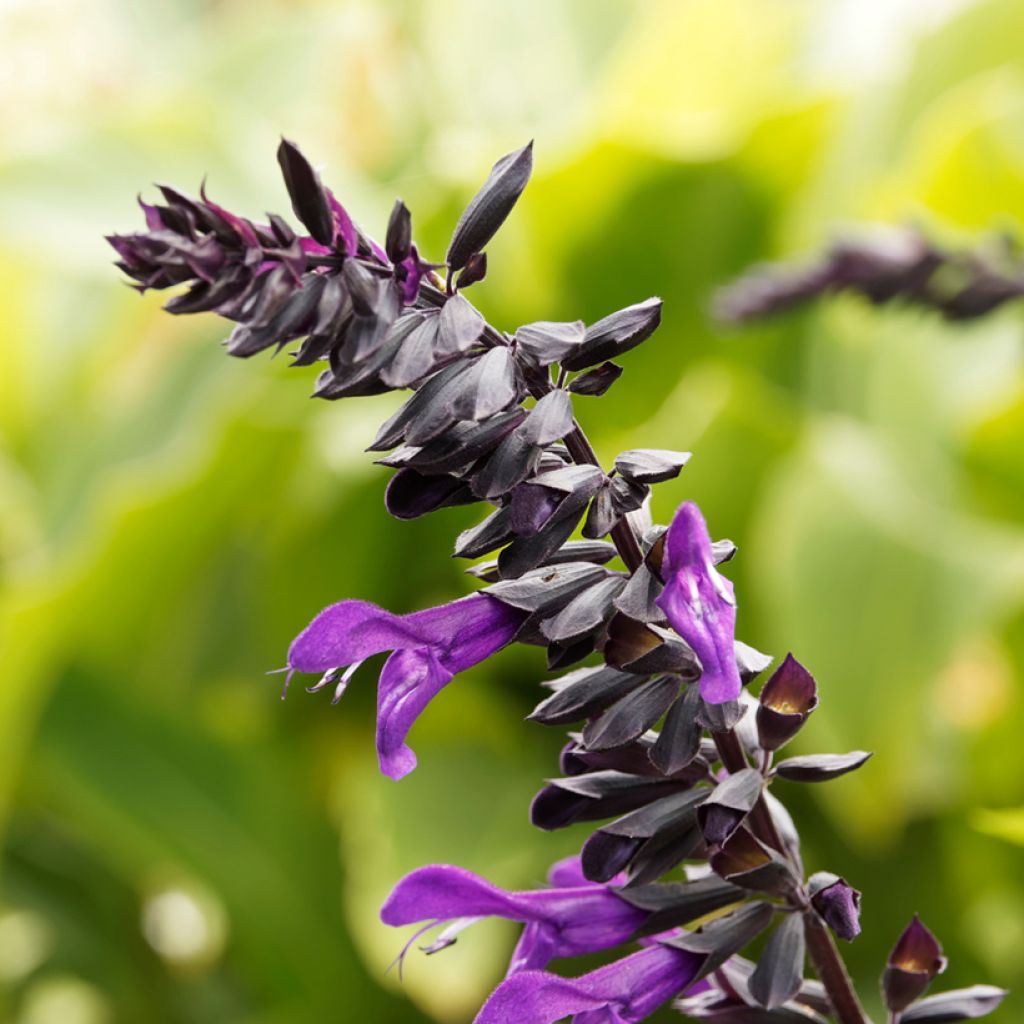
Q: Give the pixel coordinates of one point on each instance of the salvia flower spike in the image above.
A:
(690, 857)
(883, 265)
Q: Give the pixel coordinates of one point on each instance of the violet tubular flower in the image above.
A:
(564, 921)
(623, 992)
(700, 604)
(429, 648)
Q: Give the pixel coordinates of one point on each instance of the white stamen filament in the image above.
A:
(448, 936)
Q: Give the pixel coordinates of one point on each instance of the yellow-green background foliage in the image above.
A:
(180, 846)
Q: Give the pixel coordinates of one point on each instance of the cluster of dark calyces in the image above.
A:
(898, 266)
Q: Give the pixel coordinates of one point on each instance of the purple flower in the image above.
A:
(699, 603)
(582, 917)
(429, 647)
(622, 992)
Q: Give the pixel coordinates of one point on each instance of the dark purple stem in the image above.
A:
(622, 533)
(829, 966)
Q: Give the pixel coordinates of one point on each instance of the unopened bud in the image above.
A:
(838, 903)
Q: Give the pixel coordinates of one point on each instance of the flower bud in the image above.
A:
(475, 270)
(915, 960)
(837, 902)
(786, 700)
(398, 240)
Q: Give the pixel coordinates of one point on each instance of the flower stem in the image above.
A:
(730, 750)
(622, 533)
(829, 966)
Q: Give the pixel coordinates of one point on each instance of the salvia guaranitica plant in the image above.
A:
(692, 857)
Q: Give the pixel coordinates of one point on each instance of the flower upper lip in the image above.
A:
(429, 648)
(566, 920)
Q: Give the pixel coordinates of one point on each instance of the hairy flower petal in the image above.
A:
(430, 647)
(409, 681)
(560, 922)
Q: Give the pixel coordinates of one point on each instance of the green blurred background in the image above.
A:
(180, 846)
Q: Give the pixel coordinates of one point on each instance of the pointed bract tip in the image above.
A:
(918, 950)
